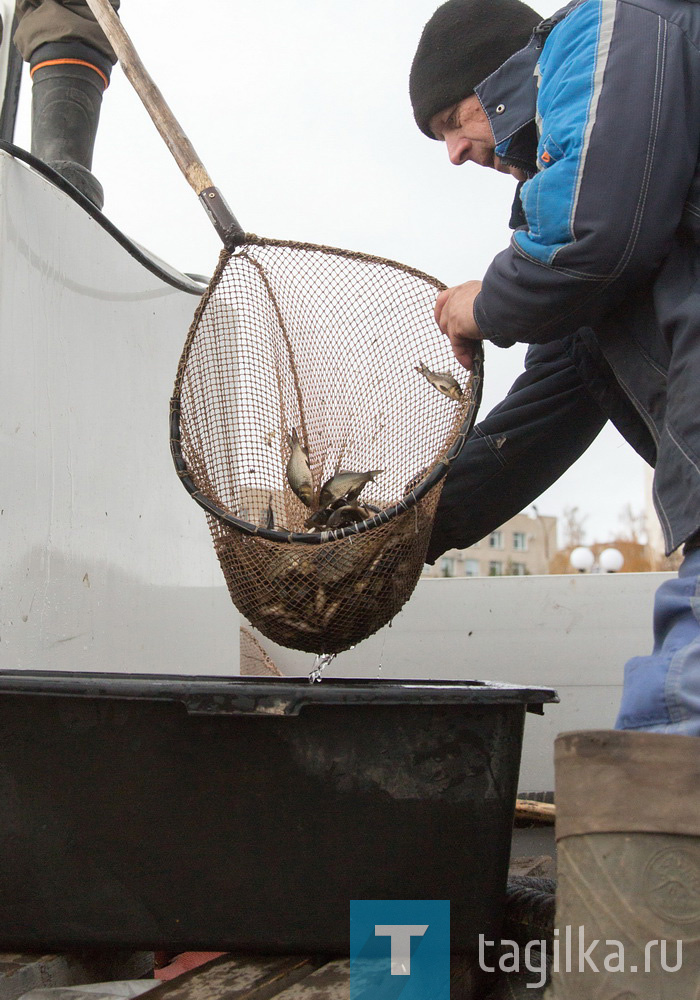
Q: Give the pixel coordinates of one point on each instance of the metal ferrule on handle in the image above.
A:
(221, 217)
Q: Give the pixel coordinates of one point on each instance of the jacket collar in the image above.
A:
(509, 95)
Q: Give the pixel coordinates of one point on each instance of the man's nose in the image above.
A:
(458, 149)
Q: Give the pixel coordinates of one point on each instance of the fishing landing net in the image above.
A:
(296, 340)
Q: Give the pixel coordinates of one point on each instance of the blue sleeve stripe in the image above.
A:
(570, 75)
(605, 32)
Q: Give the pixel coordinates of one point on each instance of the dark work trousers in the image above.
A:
(48, 22)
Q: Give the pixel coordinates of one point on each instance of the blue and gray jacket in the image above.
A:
(602, 275)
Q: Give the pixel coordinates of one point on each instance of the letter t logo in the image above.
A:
(400, 935)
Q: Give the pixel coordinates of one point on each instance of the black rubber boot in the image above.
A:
(66, 101)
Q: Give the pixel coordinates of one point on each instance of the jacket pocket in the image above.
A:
(548, 152)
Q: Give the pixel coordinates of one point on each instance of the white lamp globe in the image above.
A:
(611, 560)
(582, 559)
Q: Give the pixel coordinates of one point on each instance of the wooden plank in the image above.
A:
(332, 981)
(237, 977)
(21, 972)
(329, 982)
(545, 812)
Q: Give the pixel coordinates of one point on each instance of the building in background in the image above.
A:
(522, 546)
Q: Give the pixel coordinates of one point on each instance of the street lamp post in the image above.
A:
(584, 561)
(611, 561)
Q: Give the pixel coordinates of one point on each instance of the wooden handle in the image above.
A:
(154, 102)
(544, 811)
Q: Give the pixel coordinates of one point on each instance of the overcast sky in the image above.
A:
(299, 110)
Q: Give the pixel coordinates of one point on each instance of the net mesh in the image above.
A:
(253, 658)
(295, 337)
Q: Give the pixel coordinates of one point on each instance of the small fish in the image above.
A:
(317, 520)
(298, 470)
(320, 600)
(272, 611)
(300, 626)
(331, 610)
(343, 517)
(345, 484)
(268, 518)
(444, 382)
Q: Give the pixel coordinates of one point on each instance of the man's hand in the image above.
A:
(454, 314)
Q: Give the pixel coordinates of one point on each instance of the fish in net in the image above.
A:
(329, 347)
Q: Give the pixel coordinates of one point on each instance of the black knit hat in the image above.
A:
(463, 43)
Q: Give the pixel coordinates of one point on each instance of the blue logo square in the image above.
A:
(400, 948)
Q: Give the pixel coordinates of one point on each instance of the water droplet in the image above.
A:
(320, 663)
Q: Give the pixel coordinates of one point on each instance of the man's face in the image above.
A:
(465, 129)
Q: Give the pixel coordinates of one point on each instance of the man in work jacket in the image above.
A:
(70, 64)
(596, 112)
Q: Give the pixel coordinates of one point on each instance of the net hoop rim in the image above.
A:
(438, 472)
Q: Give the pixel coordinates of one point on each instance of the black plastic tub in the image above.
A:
(220, 814)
